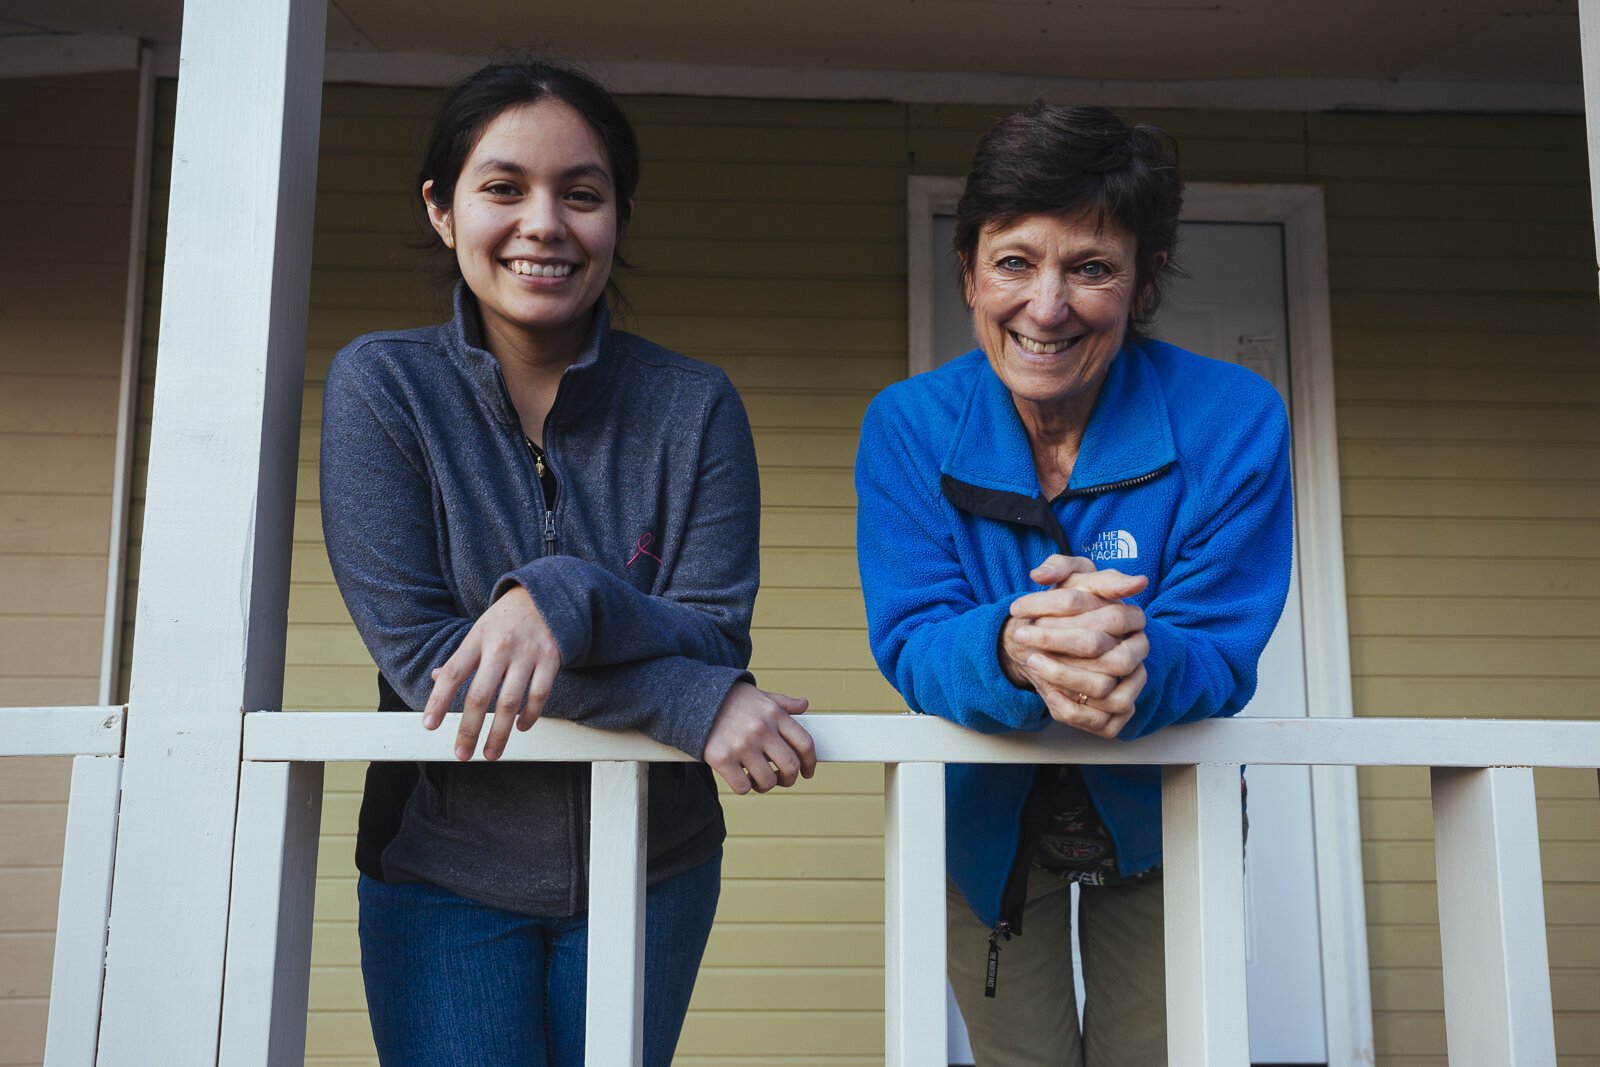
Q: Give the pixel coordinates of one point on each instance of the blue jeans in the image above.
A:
(454, 983)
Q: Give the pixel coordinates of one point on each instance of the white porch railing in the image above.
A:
(1491, 909)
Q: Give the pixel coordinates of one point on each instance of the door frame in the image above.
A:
(1341, 903)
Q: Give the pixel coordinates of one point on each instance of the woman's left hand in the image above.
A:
(1080, 645)
(1103, 716)
(513, 652)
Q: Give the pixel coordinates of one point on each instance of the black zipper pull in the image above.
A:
(992, 975)
(549, 533)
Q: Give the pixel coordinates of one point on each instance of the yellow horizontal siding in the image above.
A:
(63, 270)
(1467, 398)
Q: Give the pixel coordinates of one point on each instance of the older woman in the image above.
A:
(1074, 523)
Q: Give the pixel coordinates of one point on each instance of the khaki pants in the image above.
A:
(1032, 1020)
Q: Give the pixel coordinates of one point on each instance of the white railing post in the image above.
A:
(85, 902)
(915, 1031)
(269, 915)
(615, 998)
(1203, 846)
(1491, 918)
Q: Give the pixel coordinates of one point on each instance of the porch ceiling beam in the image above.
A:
(1380, 742)
(44, 54)
(212, 607)
(646, 76)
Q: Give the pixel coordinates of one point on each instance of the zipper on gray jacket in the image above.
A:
(549, 511)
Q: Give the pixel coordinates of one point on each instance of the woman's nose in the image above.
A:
(541, 218)
(1050, 302)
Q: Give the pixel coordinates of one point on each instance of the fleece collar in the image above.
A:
(581, 383)
(1129, 434)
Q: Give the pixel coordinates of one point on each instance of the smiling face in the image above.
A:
(1051, 296)
(533, 223)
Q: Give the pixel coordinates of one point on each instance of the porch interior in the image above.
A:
(770, 238)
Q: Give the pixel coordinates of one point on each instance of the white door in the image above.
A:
(1232, 307)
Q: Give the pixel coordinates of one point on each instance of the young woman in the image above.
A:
(529, 512)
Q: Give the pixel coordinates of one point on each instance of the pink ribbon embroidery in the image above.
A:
(642, 548)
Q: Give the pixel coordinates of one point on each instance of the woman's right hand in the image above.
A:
(755, 743)
(513, 652)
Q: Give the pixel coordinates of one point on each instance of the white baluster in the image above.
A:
(914, 937)
(615, 999)
(269, 915)
(1491, 918)
(85, 903)
(1202, 841)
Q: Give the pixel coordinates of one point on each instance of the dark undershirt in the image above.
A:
(547, 477)
(1075, 843)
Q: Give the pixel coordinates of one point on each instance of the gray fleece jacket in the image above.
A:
(645, 568)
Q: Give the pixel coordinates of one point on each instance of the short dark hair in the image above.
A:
(1060, 160)
(479, 98)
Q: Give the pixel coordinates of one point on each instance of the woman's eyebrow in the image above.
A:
(587, 170)
(506, 166)
(489, 166)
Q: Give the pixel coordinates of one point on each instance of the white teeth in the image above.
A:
(540, 270)
(1040, 348)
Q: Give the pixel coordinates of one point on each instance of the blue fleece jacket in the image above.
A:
(1183, 476)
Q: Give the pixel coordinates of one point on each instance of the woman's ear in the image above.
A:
(624, 220)
(438, 217)
(1147, 290)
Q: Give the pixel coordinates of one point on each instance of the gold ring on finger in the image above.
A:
(1083, 698)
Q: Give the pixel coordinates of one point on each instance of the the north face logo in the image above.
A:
(1112, 544)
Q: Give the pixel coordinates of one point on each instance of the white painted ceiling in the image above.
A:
(1526, 41)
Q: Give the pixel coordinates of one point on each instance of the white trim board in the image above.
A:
(1318, 536)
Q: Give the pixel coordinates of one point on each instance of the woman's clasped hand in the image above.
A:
(1078, 644)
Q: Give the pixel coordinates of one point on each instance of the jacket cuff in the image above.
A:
(965, 682)
(1151, 707)
(689, 706)
(565, 612)
(1020, 708)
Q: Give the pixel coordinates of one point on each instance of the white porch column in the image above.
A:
(1589, 33)
(1497, 1007)
(212, 608)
